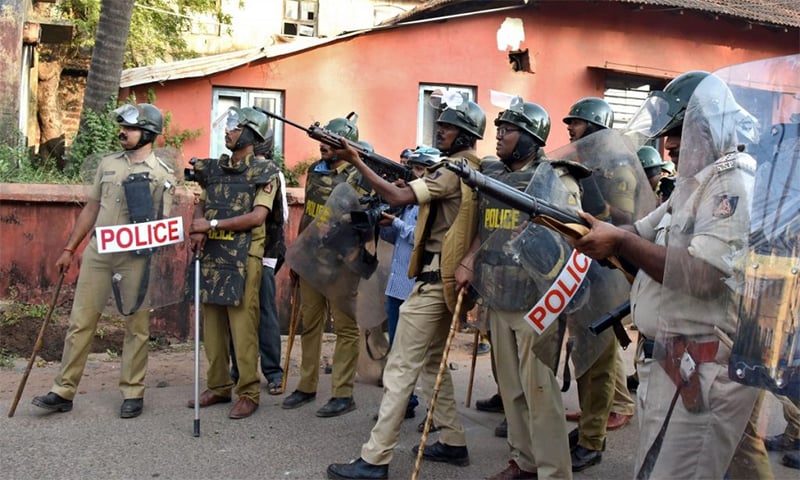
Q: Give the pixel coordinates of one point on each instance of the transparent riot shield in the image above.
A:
(728, 292)
(330, 253)
(136, 249)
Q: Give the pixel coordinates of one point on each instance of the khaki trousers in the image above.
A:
(418, 348)
(225, 323)
(531, 399)
(696, 445)
(345, 354)
(595, 395)
(622, 402)
(91, 294)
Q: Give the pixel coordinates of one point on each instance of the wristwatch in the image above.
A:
(214, 224)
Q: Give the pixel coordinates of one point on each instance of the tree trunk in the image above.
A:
(51, 132)
(105, 69)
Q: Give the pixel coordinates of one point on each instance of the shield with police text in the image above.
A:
(724, 318)
(136, 252)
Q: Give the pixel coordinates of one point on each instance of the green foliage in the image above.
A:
(157, 26)
(293, 174)
(17, 165)
(6, 359)
(174, 137)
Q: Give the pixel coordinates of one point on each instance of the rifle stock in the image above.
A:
(386, 168)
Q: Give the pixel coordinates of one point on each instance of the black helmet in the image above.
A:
(528, 116)
(593, 110)
(345, 127)
(144, 116)
(467, 116)
(677, 94)
(425, 156)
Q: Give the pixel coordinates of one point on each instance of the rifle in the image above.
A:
(386, 168)
(540, 211)
(614, 319)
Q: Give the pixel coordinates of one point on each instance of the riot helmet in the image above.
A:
(266, 147)
(593, 110)
(466, 115)
(251, 118)
(345, 127)
(144, 116)
(677, 94)
(528, 116)
(649, 157)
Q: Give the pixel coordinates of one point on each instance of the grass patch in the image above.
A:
(6, 359)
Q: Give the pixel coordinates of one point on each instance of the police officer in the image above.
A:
(323, 176)
(269, 333)
(652, 164)
(602, 389)
(108, 205)
(703, 431)
(228, 232)
(528, 386)
(445, 226)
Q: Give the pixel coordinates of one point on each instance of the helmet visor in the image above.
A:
(652, 116)
(126, 115)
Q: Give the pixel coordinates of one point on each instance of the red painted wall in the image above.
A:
(378, 74)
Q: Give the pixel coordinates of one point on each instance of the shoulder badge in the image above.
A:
(725, 205)
(268, 188)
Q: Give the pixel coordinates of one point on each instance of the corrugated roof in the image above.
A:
(785, 13)
(202, 66)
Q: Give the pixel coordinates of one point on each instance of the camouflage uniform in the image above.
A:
(231, 273)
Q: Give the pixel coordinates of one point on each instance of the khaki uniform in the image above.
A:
(425, 316)
(315, 307)
(603, 388)
(696, 445)
(94, 281)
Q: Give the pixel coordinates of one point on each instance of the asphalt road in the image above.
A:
(92, 442)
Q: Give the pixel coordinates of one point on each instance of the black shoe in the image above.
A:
(574, 437)
(433, 427)
(583, 458)
(633, 383)
(337, 406)
(53, 402)
(297, 399)
(439, 452)
(358, 469)
(131, 407)
(781, 443)
(791, 460)
(502, 429)
(493, 404)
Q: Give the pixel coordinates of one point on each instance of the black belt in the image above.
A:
(427, 257)
(430, 277)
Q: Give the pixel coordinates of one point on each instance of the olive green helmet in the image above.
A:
(250, 118)
(144, 116)
(345, 127)
(593, 110)
(677, 94)
(467, 116)
(649, 157)
(528, 116)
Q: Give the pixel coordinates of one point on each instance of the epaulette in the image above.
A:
(169, 169)
(577, 170)
(733, 161)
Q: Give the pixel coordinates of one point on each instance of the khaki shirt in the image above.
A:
(712, 225)
(107, 188)
(445, 186)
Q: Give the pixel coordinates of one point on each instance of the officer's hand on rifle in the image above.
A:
(347, 153)
(601, 242)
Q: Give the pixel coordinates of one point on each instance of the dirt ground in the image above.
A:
(170, 361)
